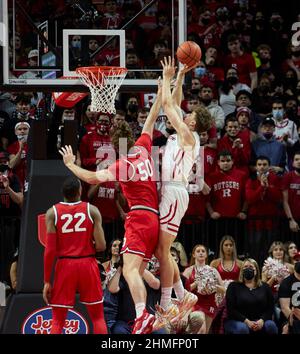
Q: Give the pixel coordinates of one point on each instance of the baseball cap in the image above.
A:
(241, 110)
(33, 53)
(297, 256)
(268, 120)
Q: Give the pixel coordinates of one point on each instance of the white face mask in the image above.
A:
(141, 124)
(68, 117)
(22, 138)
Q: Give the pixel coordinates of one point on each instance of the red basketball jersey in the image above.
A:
(74, 229)
(136, 174)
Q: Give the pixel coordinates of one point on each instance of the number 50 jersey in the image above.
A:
(74, 229)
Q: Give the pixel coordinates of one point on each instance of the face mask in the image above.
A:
(23, 115)
(297, 267)
(291, 111)
(248, 273)
(199, 71)
(170, 131)
(132, 107)
(277, 113)
(103, 127)
(260, 22)
(264, 89)
(276, 24)
(232, 80)
(264, 60)
(297, 169)
(141, 125)
(3, 168)
(268, 135)
(22, 138)
(76, 44)
(68, 117)
(206, 21)
(296, 53)
(195, 91)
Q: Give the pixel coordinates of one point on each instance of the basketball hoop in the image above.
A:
(104, 83)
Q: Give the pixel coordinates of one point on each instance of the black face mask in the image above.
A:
(195, 91)
(297, 170)
(170, 131)
(276, 24)
(291, 111)
(3, 168)
(232, 80)
(133, 107)
(260, 22)
(264, 89)
(248, 273)
(296, 53)
(206, 21)
(264, 60)
(297, 267)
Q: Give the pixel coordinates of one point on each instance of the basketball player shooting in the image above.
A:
(182, 150)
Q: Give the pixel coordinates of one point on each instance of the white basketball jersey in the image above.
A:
(177, 162)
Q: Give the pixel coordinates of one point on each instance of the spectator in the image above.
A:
(294, 61)
(290, 251)
(89, 118)
(259, 30)
(264, 54)
(112, 17)
(204, 281)
(243, 62)
(250, 303)
(118, 118)
(33, 60)
(262, 96)
(244, 99)
(288, 297)
(291, 195)
(96, 146)
(21, 114)
(18, 152)
(206, 97)
(227, 189)
(237, 142)
(132, 107)
(229, 89)
(285, 129)
(243, 115)
(267, 145)
(263, 197)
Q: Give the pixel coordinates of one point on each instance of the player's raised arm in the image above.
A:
(177, 92)
(90, 177)
(168, 104)
(154, 111)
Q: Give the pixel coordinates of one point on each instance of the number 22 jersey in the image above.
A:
(74, 229)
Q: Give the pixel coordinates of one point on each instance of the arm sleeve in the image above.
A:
(49, 256)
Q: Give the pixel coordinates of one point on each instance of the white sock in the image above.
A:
(139, 308)
(165, 298)
(179, 290)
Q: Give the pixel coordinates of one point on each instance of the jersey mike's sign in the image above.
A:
(40, 322)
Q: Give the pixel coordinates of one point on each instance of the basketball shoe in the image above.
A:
(144, 323)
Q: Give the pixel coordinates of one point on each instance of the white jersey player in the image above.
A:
(180, 154)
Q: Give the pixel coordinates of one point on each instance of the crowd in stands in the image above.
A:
(249, 81)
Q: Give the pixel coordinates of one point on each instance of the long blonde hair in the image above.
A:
(257, 278)
(221, 251)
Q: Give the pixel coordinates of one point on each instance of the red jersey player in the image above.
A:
(74, 234)
(136, 176)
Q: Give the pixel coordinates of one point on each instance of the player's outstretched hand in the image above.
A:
(67, 154)
(169, 67)
(185, 68)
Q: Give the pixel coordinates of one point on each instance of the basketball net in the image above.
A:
(103, 83)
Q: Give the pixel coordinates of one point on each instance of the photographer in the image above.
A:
(289, 299)
(18, 152)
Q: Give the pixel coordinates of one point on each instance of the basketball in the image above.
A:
(189, 53)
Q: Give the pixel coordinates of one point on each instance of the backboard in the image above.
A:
(43, 46)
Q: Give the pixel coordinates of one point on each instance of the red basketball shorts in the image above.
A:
(76, 275)
(141, 233)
